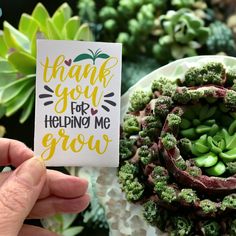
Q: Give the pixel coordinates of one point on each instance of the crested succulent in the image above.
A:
(18, 54)
(185, 177)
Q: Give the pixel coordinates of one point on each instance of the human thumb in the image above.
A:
(19, 193)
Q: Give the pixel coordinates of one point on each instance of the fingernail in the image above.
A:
(31, 171)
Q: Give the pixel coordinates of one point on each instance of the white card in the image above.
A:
(77, 114)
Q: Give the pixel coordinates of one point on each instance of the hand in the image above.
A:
(31, 191)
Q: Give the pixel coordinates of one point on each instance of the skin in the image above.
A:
(31, 191)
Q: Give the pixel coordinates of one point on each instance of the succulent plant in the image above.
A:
(18, 54)
(220, 39)
(133, 71)
(135, 24)
(185, 176)
(183, 33)
(62, 224)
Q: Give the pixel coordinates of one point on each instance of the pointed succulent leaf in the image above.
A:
(3, 46)
(71, 27)
(67, 11)
(84, 33)
(28, 26)
(5, 66)
(7, 78)
(40, 14)
(12, 90)
(14, 39)
(27, 109)
(61, 16)
(83, 56)
(58, 20)
(33, 46)
(8, 73)
(23, 62)
(53, 33)
(15, 104)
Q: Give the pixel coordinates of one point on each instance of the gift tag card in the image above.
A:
(77, 114)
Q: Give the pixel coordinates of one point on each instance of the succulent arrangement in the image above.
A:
(18, 54)
(133, 23)
(177, 152)
(150, 28)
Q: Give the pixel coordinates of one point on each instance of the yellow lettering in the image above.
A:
(76, 145)
(57, 70)
(105, 71)
(63, 95)
(50, 144)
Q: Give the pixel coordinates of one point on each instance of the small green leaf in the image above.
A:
(73, 231)
(71, 27)
(67, 11)
(33, 45)
(58, 20)
(7, 78)
(5, 66)
(8, 73)
(61, 16)
(14, 39)
(53, 33)
(15, 104)
(12, 90)
(3, 46)
(23, 62)
(103, 55)
(27, 109)
(28, 26)
(84, 33)
(68, 219)
(40, 14)
(83, 56)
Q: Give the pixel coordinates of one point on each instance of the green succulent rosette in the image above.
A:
(18, 54)
(178, 147)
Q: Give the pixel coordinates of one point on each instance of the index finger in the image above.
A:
(13, 152)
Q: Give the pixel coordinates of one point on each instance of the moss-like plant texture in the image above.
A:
(18, 54)
(178, 152)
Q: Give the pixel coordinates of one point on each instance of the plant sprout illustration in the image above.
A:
(47, 95)
(93, 56)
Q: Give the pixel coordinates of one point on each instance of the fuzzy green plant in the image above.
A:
(221, 39)
(188, 168)
(18, 54)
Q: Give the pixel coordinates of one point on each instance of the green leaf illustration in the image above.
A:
(83, 56)
(103, 56)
